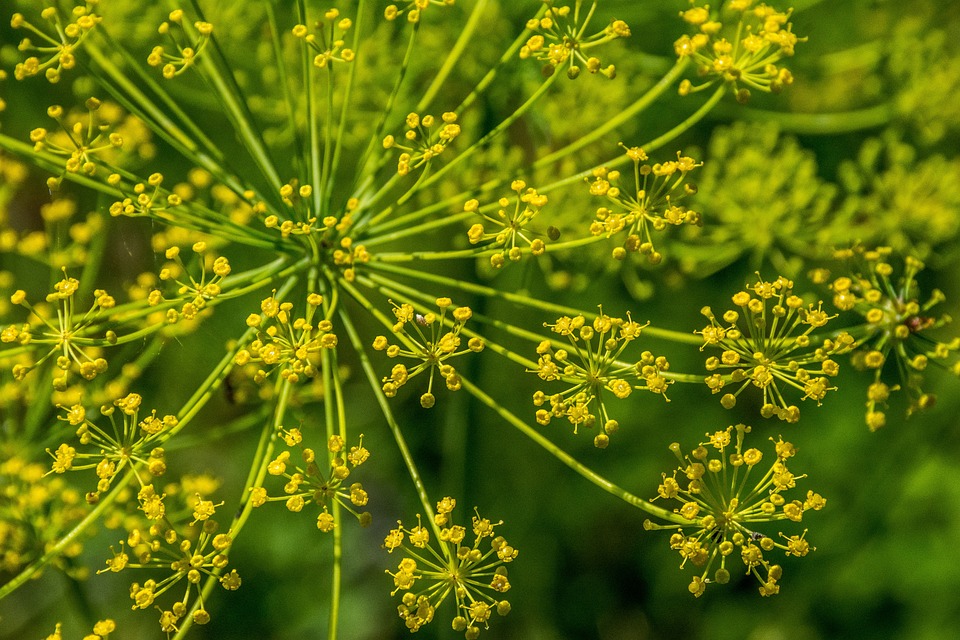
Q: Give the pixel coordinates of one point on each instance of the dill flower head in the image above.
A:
(430, 349)
(560, 40)
(895, 332)
(128, 440)
(473, 573)
(506, 231)
(652, 205)
(760, 37)
(287, 344)
(592, 369)
(184, 553)
(761, 196)
(59, 39)
(306, 482)
(899, 199)
(767, 344)
(727, 504)
(922, 66)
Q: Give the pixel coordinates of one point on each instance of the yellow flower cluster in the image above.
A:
(101, 631)
(430, 349)
(188, 45)
(508, 228)
(650, 206)
(761, 37)
(78, 142)
(286, 344)
(427, 576)
(195, 293)
(592, 369)
(560, 40)
(66, 341)
(724, 501)
(413, 8)
(140, 201)
(126, 442)
(308, 483)
(328, 44)
(54, 53)
(197, 552)
(897, 322)
(422, 144)
(767, 344)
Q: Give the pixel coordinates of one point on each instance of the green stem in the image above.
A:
(627, 114)
(496, 131)
(348, 94)
(220, 77)
(284, 82)
(387, 412)
(377, 137)
(313, 135)
(570, 461)
(526, 301)
(819, 123)
(463, 40)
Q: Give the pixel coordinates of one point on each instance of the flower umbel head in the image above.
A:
(897, 322)
(592, 370)
(474, 574)
(188, 43)
(761, 37)
(187, 554)
(286, 344)
(768, 344)
(650, 206)
(507, 230)
(560, 40)
(307, 483)
(725, 501)
(53, 53)
(328, 42)
(430, 339)
(422, 143)
(117, 447)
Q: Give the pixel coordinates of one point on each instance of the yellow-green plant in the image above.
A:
(310, 229)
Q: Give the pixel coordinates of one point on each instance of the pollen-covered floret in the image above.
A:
(188, 43)
(66, 340)
(421, 142)
(507, 230)
(560, 40)
(592, 369)
(54, 52)
(767, 344)
(130, 439)
(760, 36)
(328, 41)
(287, 344)
(188, 553)
(308, 484)
(652, 205)
(725, 500)
(78, 142)
(430, 340)
(897, 322)
(413, 9)
(193, 294)
(473, 573)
